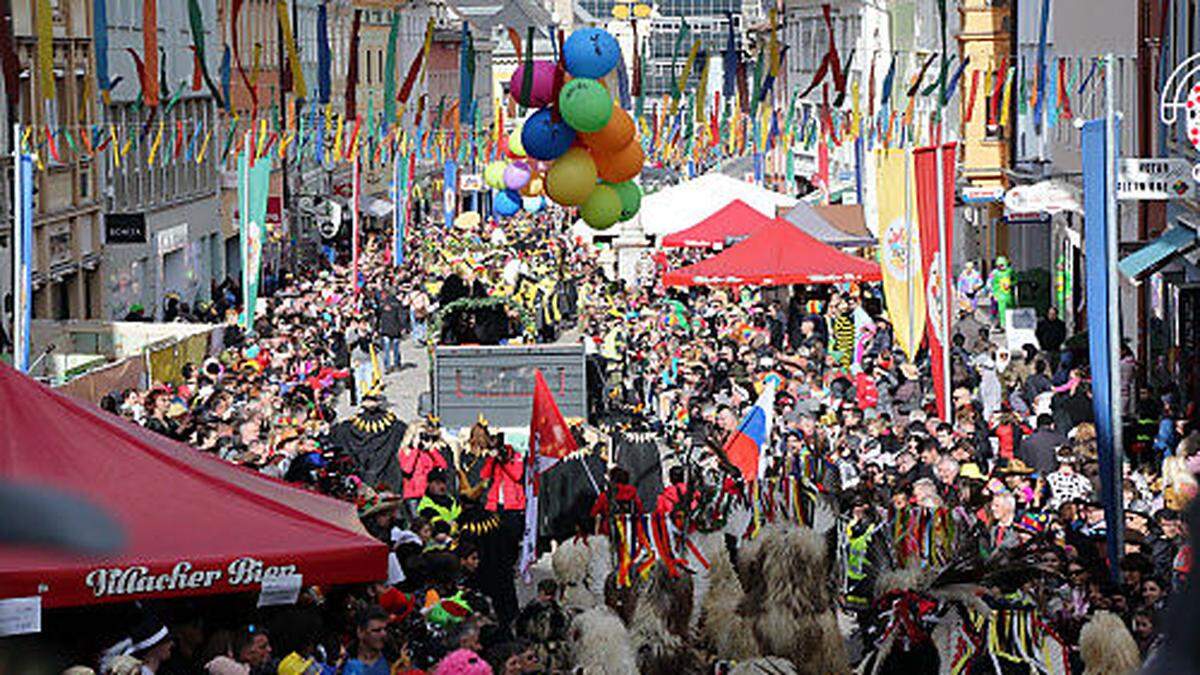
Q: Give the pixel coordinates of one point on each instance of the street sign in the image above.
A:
(1155, 179)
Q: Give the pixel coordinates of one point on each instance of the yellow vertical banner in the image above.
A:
(900, 248)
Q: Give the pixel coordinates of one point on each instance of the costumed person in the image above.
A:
(620, 498)
(1000, 284)
(544, 623)
(372, 438)
(600, 644)
(967, 287)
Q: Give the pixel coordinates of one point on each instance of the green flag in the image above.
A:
(389, 75)
(254, 182)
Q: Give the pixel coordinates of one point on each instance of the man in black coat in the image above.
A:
(1038, 449)
(391, 327)
(1051, 332)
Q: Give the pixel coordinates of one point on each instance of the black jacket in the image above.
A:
(1037, 450)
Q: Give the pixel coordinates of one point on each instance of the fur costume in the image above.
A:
(769, 665)
(1106, 646)
(580, 567)
(600, 644)
(788, 601)
(661, 625)
(724, 631)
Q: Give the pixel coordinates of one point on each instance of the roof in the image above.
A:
(681, 206)
(777, 254)
(193, 524)
(1151, 257)
(735, 220)
(488, 15)
(841, 225)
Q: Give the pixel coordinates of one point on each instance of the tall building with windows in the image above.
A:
(163, 233)
(67, 205)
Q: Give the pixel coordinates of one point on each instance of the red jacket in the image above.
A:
(505, 481)
(670, 497)
(415, 465)
(866, 391)
(627, 502)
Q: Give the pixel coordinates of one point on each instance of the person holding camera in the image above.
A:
(420, 456)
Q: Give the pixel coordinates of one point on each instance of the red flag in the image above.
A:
(938, 307)
(549, 437)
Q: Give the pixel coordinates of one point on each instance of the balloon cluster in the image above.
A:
(578, 148)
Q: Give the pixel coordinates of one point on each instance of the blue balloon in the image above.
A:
(534, 204)
(546, 137)
(591, 52)
(506, 203)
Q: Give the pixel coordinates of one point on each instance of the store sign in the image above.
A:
(974, 194)
(472, 182)
(1045, 197)
(125, 228)
(184, 576)
(172, 238)
(1155, 179)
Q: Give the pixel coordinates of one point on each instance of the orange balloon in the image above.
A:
(615, 135)
(622, 165)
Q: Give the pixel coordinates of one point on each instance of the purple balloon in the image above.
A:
(516, 175)
(542, 91)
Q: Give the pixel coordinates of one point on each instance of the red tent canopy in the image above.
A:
(193, 524)
(777, 254)
(735, 219)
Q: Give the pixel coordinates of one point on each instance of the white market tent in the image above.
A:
(686, 204)
(683, 205)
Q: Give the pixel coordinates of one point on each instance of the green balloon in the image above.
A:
(585, 105)
(602, 209)
(631, 198)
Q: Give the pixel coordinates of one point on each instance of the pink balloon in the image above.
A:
(516, 175)
(541, 93)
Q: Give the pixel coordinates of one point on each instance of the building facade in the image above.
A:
(67, 222)
(163, 233)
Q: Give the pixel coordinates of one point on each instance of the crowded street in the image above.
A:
(577, 376)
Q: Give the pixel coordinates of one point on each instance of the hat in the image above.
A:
(437, 475)
(396, 603)
(971, 471)
(294, 664)
(462, 662)
(176, 409)
(909, 371)
(1016, 467)
(146, 634)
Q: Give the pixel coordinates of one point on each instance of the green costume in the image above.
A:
(1000, 282)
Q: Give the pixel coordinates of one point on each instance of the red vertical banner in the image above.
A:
(936, 304)
(150, 52)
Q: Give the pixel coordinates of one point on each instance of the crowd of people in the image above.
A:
(1004, 496)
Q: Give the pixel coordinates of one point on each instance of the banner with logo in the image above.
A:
(899, 249)
(925, 169)
(450, 192)
(254, 183)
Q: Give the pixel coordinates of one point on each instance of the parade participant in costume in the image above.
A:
(372, 438)
(619, 498)
(968, 285)
(1000, 285)
(544, 623)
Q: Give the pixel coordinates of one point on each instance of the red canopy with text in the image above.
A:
(735, 220)
(193, 523)
(777, 254)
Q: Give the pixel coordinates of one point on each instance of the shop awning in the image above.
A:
(1151, 257)
(193, 524)
(375, 207)
(777, 254)
(840, 225)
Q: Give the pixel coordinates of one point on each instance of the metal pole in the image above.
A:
(20, 357)
(1111, 152)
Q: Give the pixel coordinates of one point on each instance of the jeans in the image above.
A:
(391, 353)
(418, 328)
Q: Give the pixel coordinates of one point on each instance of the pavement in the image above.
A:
(402, 387)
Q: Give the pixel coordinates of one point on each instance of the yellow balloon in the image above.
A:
(572, 178)
(493, 175)
(515, 148)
